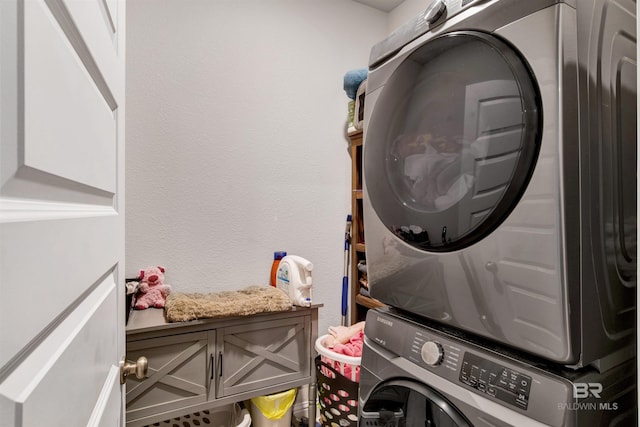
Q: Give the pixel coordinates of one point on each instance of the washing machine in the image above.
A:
(416, 375)
(500, 174)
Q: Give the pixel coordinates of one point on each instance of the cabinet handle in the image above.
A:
(212, 366)
(139, 368)
(220, 363)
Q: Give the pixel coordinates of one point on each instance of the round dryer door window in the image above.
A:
(399, 403)
(452, 141)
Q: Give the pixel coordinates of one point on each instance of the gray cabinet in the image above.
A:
(203, 364)
(262, 354)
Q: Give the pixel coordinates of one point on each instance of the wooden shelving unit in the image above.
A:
(359, 303)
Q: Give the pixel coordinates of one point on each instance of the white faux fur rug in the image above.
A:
(181, 307)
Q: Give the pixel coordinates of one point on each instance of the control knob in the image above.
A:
(435, 11)
(432, 353)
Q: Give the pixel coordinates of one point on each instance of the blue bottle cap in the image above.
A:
(279, 255)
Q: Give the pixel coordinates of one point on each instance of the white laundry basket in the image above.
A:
(337, 376)
(224, 416)
(347, 366)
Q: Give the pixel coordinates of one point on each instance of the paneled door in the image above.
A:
(61, 212)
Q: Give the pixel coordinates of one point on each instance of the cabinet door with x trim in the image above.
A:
(262, 354)
(177, 374)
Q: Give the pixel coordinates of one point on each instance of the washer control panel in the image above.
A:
(400, 346)
(494, 377)
(436, 13)
(490, 378)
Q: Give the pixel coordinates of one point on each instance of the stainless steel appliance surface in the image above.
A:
(413, 374)
(500, 174)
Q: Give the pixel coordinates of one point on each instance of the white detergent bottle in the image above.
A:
(294, 278)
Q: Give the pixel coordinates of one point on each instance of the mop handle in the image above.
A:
(345, 277)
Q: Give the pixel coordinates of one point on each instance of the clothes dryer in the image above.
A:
(417, 375)
(499, 173)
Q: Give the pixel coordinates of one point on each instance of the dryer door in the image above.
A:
(399, 403)
(452, 141)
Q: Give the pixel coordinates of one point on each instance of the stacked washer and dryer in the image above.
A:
(500, 214)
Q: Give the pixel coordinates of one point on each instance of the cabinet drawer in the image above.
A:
(261, 354)
(177, 375)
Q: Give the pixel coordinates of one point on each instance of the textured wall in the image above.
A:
(235, 138)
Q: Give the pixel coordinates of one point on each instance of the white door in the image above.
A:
(61, 212)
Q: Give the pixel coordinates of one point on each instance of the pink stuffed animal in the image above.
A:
(152, 291)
